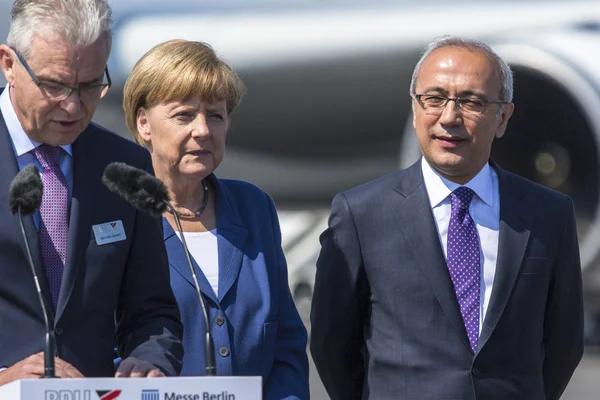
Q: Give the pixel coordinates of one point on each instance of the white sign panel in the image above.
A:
(175, 388)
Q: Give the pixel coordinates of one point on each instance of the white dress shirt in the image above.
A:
(23, 144)
(485, 212)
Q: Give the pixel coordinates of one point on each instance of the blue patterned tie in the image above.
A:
(464, 261)
(54, 218)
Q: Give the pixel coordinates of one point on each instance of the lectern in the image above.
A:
(172, 388)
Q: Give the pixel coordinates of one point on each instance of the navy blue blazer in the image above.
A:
(126, 279)
(255, 325)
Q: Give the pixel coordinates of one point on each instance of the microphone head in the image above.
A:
(139, 188)
(25, 191)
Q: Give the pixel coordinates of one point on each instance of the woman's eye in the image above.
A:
(216, 116)
(183, 115)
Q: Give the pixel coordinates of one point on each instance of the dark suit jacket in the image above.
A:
(130, 277)
(254, 317)
(385, 320)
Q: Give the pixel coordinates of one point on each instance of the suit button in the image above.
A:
(58, 331)
(223, 351)
(220, 320)
(476, 372)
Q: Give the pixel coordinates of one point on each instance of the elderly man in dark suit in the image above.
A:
(55, 66)
(452, 279)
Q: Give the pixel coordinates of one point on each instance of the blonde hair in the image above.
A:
(179, 70)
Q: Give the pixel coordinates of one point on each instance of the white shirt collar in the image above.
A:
(21, 142)
(439, 188)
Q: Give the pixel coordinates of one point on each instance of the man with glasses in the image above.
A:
(57, 91)
(452, 279)
(101, 265)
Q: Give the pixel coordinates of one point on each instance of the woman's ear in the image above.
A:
(143, 125)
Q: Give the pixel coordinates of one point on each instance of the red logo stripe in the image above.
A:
(111, 396)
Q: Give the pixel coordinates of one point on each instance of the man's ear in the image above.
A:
(8, 64)
(504, 117)
(143, 125)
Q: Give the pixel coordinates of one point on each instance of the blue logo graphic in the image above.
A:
(151, 394)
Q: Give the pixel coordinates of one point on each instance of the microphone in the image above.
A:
(149, 194)
(24, 198)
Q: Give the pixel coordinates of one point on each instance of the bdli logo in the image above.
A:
(108, 394)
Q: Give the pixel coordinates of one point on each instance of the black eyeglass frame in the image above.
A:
(457, 100)
(39, 83)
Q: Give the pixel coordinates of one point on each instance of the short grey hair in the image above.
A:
(79, 22)
(505, 73)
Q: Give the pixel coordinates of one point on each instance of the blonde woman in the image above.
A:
(178, 100)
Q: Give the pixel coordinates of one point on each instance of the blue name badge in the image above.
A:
(109, 232)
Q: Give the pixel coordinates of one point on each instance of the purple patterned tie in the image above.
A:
(464, 261)
(54, 222)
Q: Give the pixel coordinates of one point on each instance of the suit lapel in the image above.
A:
(9, 169)
(178, 261)
(418, 225)
(515, 222)
(231, 237)
(84, 197)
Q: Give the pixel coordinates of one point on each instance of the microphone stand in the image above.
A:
(209, 345)
(49, 345)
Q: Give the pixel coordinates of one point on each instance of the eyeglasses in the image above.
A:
(435, 103)
(57, 91)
